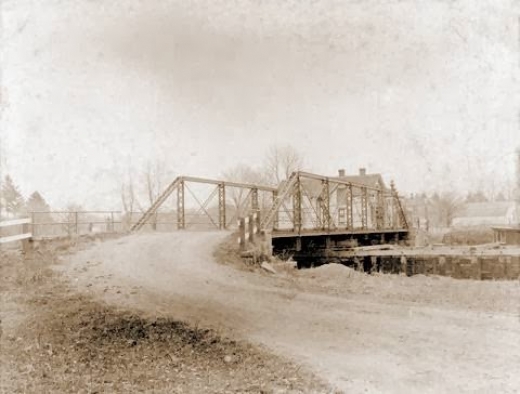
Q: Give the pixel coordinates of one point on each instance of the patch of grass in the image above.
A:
(228, 253)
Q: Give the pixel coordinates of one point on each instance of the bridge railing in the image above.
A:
(53, 224)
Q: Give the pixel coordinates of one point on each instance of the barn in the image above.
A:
(495, 213)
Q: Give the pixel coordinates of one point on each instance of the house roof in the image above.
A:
(485, 209)
(507, 229)
(313, 187)
(371, 180)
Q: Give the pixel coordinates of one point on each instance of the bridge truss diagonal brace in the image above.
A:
(203, 206)
(279, 198)
(398, 207)
(156, 205)
(309, 206)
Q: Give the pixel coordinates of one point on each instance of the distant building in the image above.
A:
(508, 235)
(362, 178)
(496, 213)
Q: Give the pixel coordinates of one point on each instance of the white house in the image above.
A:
(494, 213)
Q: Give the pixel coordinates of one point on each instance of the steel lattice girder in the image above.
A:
(181, 185)
(355, 206)
(320, 202)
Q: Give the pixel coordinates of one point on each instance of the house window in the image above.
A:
(342, 216)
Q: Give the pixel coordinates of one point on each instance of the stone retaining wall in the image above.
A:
(464, 267)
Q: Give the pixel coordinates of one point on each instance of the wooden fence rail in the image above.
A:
(25, 235)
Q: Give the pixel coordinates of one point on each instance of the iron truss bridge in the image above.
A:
(201, 203)
(305, 205)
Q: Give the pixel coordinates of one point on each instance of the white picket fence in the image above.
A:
(25, 232)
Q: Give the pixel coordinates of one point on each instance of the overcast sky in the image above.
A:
(424, 92)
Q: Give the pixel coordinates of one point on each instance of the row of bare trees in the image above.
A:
(278, 164)
(141, 188)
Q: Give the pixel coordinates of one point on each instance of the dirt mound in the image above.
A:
(331, 271)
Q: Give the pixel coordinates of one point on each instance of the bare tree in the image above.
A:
(445, 206)
(151, 181)
(71, 219)
(280, 162)
(241, 174)
(128, 198)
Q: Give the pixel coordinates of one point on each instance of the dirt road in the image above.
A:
(357, 338)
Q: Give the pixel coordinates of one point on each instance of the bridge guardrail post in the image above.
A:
(242, 233)
(257, 221)
(251, 228)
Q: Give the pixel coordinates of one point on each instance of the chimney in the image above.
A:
(341, 172)
(362, 171)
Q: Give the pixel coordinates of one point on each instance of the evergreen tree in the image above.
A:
(478, 196)
(38, 208)
(12, 200)
(36, 203)
(500, 197)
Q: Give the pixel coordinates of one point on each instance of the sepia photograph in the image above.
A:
(259, 196)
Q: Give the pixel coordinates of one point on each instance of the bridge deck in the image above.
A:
(344, 232)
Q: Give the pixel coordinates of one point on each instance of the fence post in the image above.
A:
(33, 227)
(76, 222)
(26, 243)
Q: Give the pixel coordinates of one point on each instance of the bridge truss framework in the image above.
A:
(219, 205)
(304, 205)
